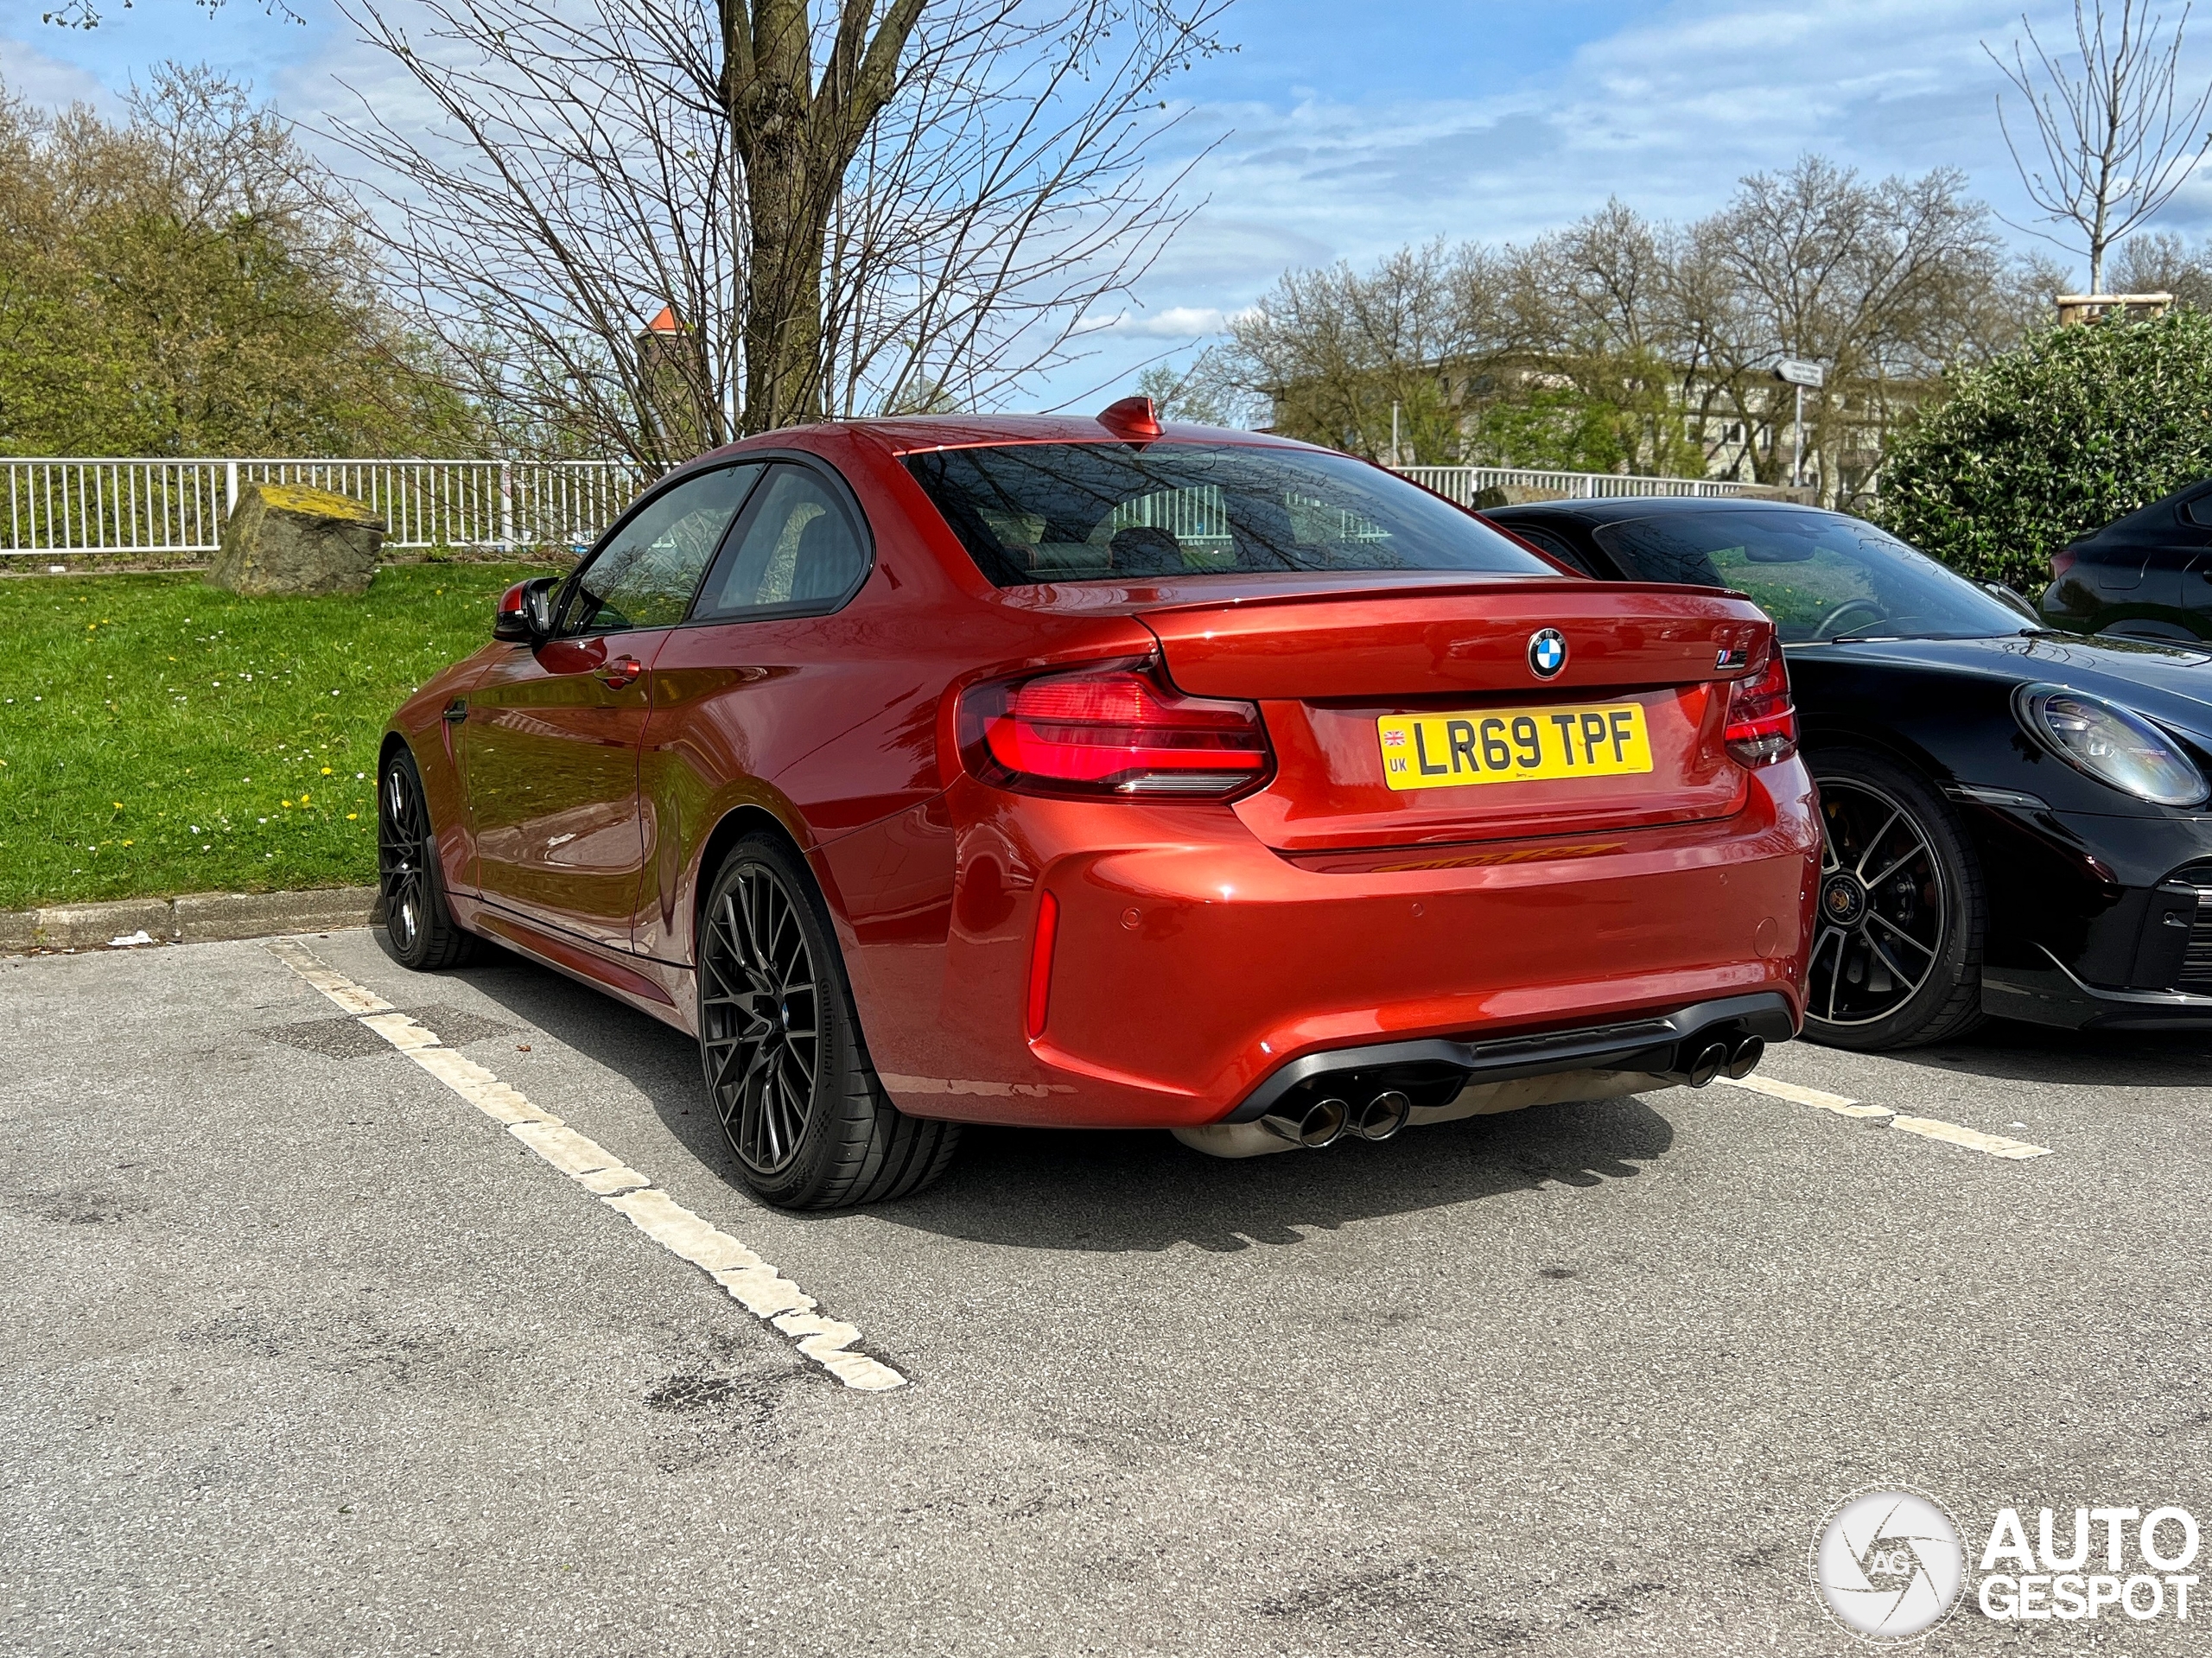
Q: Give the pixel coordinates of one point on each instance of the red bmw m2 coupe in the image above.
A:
(1100, 774)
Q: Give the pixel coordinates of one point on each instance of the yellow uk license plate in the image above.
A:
(1444, 751)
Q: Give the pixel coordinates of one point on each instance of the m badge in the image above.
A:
(1546, 653)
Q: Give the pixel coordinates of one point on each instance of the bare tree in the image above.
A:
(2116, 136)
(2160, 262)
(1333, 350)
(805, 206)
(1624, 343)
(1201, 392)
(1875, 281)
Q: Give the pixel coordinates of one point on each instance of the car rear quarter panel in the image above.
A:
(839, 727)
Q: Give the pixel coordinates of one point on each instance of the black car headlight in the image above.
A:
(2116, 746)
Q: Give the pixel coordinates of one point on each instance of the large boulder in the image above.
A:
(290, 539)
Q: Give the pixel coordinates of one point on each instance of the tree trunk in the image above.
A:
(797, 135)
(783, 311)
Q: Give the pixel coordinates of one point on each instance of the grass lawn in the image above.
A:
(158, 735)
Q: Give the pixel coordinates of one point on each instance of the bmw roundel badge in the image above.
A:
(1546, 653)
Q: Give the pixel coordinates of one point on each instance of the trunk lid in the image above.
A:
(1434, 683)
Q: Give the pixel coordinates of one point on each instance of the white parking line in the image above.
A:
(752, 1282)
(2016, 1151)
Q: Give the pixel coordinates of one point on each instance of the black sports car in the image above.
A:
(2017, 818)
(2145, 576)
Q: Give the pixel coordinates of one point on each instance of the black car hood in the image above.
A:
(2167, 683)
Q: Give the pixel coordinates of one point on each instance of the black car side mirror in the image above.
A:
(526, 613)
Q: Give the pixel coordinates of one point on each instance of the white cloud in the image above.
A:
(1176, 322)
(1668, 114)
(47, 82)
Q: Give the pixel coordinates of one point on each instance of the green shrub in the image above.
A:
(2073, 429)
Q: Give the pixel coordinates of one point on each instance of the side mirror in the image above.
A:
(526, 613)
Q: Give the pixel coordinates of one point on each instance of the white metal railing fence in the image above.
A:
(176, 509)
(1463, 484)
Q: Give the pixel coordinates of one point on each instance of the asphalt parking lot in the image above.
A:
(306, 1353)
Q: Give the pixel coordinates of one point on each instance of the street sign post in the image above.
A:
(1797, 373)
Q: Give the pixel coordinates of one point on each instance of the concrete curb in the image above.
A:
(195, 918)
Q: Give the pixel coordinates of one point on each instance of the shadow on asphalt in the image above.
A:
(1107, 1191)
(2002, 1051)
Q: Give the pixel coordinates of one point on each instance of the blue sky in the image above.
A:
(1343, 131)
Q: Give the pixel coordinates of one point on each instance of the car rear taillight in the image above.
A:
(1762, 720)
(2062, 562)
(1116, 729)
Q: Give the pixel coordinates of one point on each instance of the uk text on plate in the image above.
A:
(1440, 750)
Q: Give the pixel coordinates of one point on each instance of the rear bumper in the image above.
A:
(1194, 965)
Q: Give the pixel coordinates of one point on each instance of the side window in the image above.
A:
(646, 573)
(796, 548)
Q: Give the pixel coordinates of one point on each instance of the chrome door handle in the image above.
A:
(620, 672)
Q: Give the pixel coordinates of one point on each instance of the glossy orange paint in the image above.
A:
(1198, 946)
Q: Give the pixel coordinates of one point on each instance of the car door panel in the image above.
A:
(552, 740)
(554, 729)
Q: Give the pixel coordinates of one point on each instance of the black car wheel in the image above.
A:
(417, 920)
(1900, 915)
(789, 1073)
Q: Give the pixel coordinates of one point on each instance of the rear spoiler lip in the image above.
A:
(1472, 582)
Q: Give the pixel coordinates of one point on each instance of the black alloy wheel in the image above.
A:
(423, 933)
(780, 1041)
(764, 1044)
(1899, 915)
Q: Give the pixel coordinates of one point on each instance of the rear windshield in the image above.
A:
(1109, 511)
(1820, 575)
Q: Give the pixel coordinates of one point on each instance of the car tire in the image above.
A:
(1901, 912)
(807, 1122)
(410, 882)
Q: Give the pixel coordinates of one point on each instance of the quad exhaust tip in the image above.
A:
(1321, 1123)
(1324, 1122)
(1712, 1060)
(1706, 1059)
(1383, 1115)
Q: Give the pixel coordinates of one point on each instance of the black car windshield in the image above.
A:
(1034, 512)
(1820, 575)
